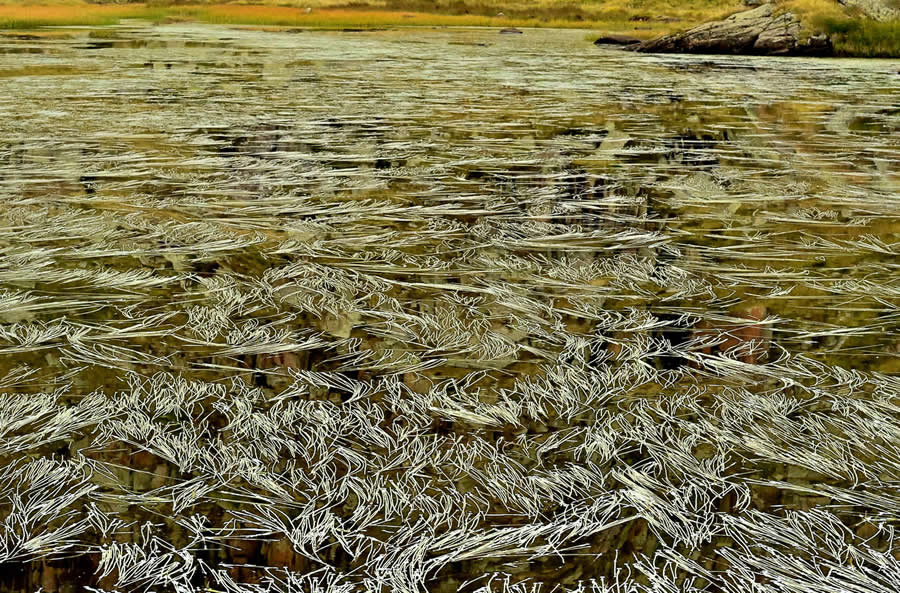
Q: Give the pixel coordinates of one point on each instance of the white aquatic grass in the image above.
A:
(448, 333)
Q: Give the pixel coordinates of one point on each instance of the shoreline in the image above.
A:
(18, 17)
(852, 39)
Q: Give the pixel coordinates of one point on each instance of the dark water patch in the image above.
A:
(23, 50)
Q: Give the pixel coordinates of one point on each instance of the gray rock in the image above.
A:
(614, 39)
(510, 31)
(879, 10)
(758, 31)
(781, 34)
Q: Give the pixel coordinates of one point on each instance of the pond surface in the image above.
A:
(444, 309)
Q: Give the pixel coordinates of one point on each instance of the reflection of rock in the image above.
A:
(758, 31)
(49, 581)
(748, 342)
(281, 553)
(613, 39)
(342, 326)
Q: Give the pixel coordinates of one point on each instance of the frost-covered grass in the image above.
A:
(408, 311)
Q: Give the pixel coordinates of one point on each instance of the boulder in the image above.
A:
(613, 39)
(510, 31)
(753, 32)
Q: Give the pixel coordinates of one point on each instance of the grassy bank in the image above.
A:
(644, 19)
(862, 38)
(13, 16)
(852, 34)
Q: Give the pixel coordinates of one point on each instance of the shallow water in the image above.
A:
(453, 274)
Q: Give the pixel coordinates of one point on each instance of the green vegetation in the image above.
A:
(641, 18)
(864, 38)
(851, 32)
(31, 16)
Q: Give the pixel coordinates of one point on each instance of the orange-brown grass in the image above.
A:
(16, 16)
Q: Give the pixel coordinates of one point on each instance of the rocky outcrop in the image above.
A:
(878, 10)
(613, 39)
(758, 32)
